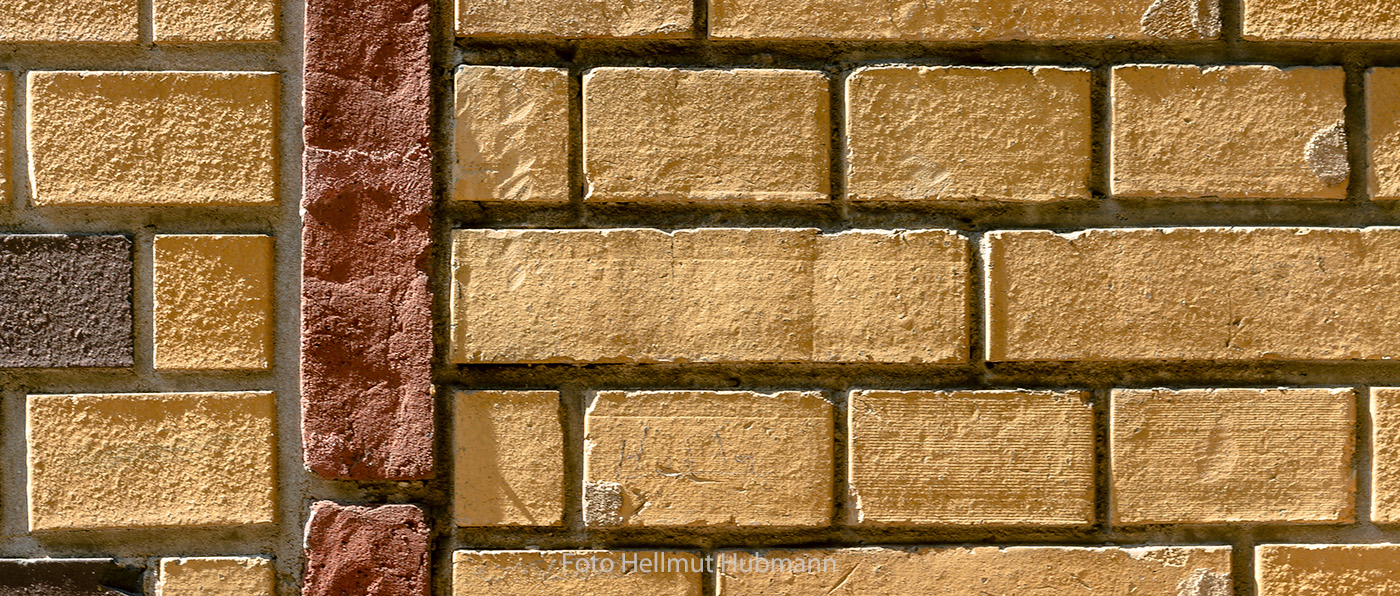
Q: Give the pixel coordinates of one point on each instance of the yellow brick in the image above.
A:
(679, 458)
(999, 134)
(1385, 464)
(1327, 569)
(508, 459)
(592, 572)
(151, 460)
(1321, 20)
(965, 20)
(972, 457)
(153, 138)
(216, 576)
(7, 94)
(213, 302)
(512, 134)
(661, 134)
(215, 20)
(1193, 294)
(710, 295)
(885, 296)
(1205, 456)
(98, 21)
(1383, 118)
(1014, 571)
(1229, 131)
(574, 18)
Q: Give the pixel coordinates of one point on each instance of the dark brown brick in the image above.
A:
(366, 551)
(67, 577)
(367, 406)
(366, 309)
(65, 301)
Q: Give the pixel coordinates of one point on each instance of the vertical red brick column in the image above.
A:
(366, 353)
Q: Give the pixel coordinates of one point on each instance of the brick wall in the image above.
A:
(699, 297)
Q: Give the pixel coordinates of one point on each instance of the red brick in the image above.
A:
(366, 551)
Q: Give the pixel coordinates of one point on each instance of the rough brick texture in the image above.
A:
(677, 458)
(217, 576)
(65, 301)
(1385, 462)
(1383, 139)
(965, 20)
(508, 459)
(574, 18)
(80, 21)
(213, 302)
(1020, 571)
(1327, 569)
(953, 133)
(367, 405)
(67, 577)
(368, 551)
(178, 21)
(1255, 132)
(661, 134)
(512, 134)
(1321, 20)
(593, 572)
(148, 460)
(1233, 455)
(7, 93)
(971, 457)
(1193, 294)
(715, 295)
(153, 138)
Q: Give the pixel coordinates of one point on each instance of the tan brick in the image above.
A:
(960, 133)
(709, 295)
(1255, 132)
(889, 296)
(972, 457)
(1383, 118)
(153, 138)
(1327, 569)
(574, 18)
(217, 576)
(213, 302)
(1321, 20)
(179, 21)
(679, 458)
(508, 459)
(95, 21)
(512, 134)
(1385, 464)
(151, 460)
(592, 572)
(665, 134)
(7, 94)
(1193, 294)
(1205, 456)
(1014, 571)
(965, 20)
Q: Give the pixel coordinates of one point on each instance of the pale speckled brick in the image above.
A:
(1215, 456)
(666, 134)
(962, 134)
(1385, 462)
(213, 302)
(1237, 132)
(1383, 119)
(151, 460)
(1193, 294)
(574, 18)
(972, 457)
(153, 138)
(69, 21)
(217, 576)
(1327, 569)
(184, 21)
(958, 571)
(689, 458)
(1321, 20)
(512, 134)
(592, 572)
(508, 459)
